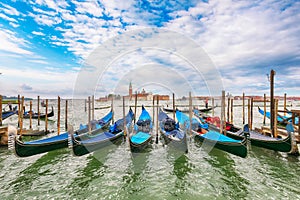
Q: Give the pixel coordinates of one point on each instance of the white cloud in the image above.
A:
(233, 33)
(38, 33)
(43, 19)
(47, 3)
(68, 16)
(117, 8)
(60, 43)
(38, 80)
(14, 24)
(7, 18)
(241, 32)
(10, 43)
(10, 10)
(92, 8)
(40, 11)
(39, 61)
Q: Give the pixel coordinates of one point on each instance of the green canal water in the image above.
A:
(114, 173)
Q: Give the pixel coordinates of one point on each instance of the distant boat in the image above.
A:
(186, 110)
(102, 107)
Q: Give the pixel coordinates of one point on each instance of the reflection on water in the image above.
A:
(181, 168)
(134, 180)
(80, 186)
(115, 173)
(231, 184)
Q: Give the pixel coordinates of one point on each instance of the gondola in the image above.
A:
(86, 144)
(256, 138)
(166, 109)
(142, 134)
(284, 120)
(24, 149)
(213, 138)
(173, 136)
(102, 107)
(7, 114)
(36, 115)
(205, 109)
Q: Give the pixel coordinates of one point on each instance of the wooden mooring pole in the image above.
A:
(38, 110)
(213, 106)
(21, 117)
(223, 118)
(113, 112)
(135, 105)
(243, 108)
(89, 113)
(0, 110)
(30, 115)
(249, 115)
(173, 106)
(19, 111)
(190, 112)
(228, 109)
(275, 118)
(157, 105)
(93, 107)
(272, 102)
(231, 111)
(46, 117)
(284, 104)
(265, 108)
(124, 121)
(58, 115)
(153, 107)
(66, 116)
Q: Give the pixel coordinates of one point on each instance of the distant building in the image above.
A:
(145, 96)
(102, 99)
(109, 98)
(162, 97)
(141, 96)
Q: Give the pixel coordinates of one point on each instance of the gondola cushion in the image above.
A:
(169, 124)
(140, 137)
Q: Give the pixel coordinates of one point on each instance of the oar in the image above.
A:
(288, 111)
(286, 120)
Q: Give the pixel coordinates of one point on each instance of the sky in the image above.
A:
(46, 47)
